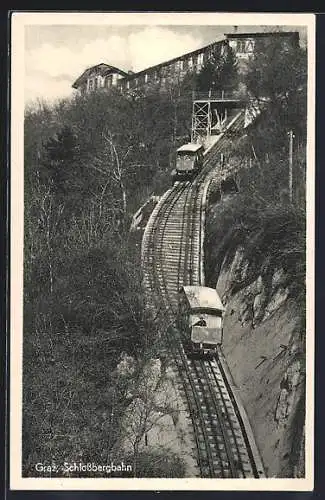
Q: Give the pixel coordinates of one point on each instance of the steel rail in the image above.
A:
(221, 419)
(206, 455)
(191, 395)
(162, 276)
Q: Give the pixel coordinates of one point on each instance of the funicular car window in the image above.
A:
(185, 161)
(200, 322)
(206, 310)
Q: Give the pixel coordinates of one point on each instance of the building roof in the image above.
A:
(203, 297)
(179, 58)
(190, 147)
(210, 46)
(263, 34)
(101, 69)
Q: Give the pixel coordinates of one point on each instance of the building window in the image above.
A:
(250, 46)
(90, 85)
(190, 63)
(200, 59)
(128, 84)
(146, 78)
(179, 65)
(241, 46)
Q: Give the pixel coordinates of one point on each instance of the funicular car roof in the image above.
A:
(202, 297)
(189, 148)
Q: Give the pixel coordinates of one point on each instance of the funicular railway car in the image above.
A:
(189, 161)
(200, 319)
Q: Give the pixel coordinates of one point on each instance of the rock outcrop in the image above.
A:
(264, 345)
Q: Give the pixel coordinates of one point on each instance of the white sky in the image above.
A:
(55, 55)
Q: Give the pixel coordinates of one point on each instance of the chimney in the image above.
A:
(235, 29)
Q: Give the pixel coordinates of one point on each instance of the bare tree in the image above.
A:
(150, 404)
(49, 216)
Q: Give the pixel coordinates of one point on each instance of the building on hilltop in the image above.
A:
(243, 45)
(173, 71)
(160, 75)
(101, 76)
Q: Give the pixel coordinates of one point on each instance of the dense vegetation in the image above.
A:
(89, 163)
(263, 218)
(256, 243)
(272, 236)
(267, 216)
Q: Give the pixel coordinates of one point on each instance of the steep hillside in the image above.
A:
(255, 258)
(89, 162)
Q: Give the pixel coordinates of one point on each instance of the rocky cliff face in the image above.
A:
(264, 344)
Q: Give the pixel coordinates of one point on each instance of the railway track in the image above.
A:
(172, 256)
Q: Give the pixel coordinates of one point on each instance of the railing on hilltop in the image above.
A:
(218, 95)
(194, 95)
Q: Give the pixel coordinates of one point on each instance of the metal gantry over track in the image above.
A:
(210, 113)
(201, 120)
